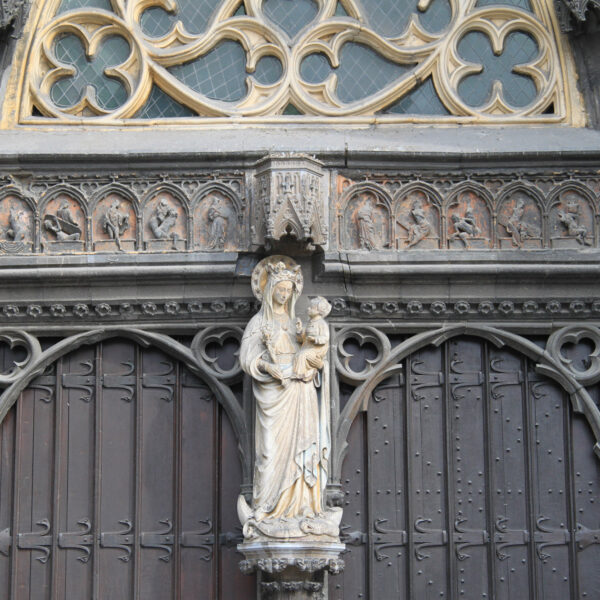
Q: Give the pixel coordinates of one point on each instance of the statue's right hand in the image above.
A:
(274, 371)
(271, 369)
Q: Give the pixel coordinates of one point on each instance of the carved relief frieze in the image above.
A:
(121, 213)
(290, 203)
(165, 221)
(520, 219)
(479, 211)
(218, 220)
(469, 221)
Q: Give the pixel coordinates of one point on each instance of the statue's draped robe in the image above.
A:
(291, 439)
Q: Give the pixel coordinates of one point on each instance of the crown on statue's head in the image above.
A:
(276, 269)
(280, 272)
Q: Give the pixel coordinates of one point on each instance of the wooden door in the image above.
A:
(119, 474)
(470, 477)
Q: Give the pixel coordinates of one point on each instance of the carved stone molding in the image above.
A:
(291, 201)
(272, 558)
(415, 309)
(233, 313)
(124, 311)
(589, 372)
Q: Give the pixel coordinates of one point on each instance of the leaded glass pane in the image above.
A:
(268, 70)
(518, 3)
(340, 11)
(155, 22)
(363, 72)
(109, 92)
(194, 14)
(161, 106)
(390, 18)
(315, 68)
(437, 17)
(66, 5)
(291, 15)
(220, 74)
(517, 90)
(290, 109)
(423, 100)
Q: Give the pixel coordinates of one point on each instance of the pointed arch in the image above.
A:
(390, 364)
(39, 360)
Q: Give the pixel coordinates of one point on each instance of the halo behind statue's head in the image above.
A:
(281, 268)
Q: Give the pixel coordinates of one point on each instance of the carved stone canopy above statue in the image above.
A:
(291, 202)
(579, 8)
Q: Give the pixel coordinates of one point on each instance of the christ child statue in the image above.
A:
(314, 339)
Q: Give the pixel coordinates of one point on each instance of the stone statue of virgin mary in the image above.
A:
(292, 437)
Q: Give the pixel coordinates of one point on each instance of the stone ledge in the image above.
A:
(336, 144)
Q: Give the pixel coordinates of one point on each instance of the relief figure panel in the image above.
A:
(417, 221)
(63, 225)
(469, 222)
(571, 220)
(114, 224)
(216, 221)
(366, 222)
(520, 221)
(165, 223)
(16, 225)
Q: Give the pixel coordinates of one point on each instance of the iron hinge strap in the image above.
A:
(122, 540)
(162, 540)
(78, 540)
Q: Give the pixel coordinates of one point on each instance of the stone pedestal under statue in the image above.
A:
(292, 570)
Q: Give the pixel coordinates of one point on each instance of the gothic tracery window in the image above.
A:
(353, 60)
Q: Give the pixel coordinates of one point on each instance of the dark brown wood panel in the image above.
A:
(481, 483)
(353, 582)
(121, 459)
